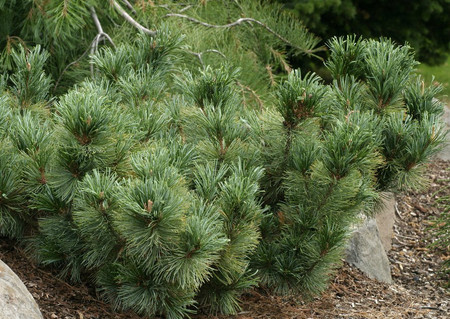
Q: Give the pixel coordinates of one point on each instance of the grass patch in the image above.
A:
(441, 75)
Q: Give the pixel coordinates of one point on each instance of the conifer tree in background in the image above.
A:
(254, 36)
(154, 177)
(425, 24)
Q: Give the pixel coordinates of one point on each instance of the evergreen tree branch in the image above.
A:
(129, 19)
(236, 23)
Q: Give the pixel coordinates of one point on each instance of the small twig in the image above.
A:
(92, 47)
(269, 71)
(70, 64)
(406, 237)
(216, 51)
(256, 96)
(397, 211)
(199, 55)
(129, 6)
(431, 308)
(235, 23)
(9, 40)
(98, 25)
(101, 34)
(420, 208)
(133, 22)
(404, 244)
(283, 62)
(185, 8)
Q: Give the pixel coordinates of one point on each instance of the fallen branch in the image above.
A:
(133, 22)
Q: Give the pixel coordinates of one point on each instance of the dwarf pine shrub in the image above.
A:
(171, 195)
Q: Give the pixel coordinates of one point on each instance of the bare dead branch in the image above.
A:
(101, 35)
(185, 8)
(129, 19)
(96, 21)
(199, 55)
(215, 51)
(70, 64)
(129, 6)
(233, 24)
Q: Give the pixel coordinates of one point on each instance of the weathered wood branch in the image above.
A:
(129, 6)
(130, 20)
(199, 55)
(101, 35)
(233, 24)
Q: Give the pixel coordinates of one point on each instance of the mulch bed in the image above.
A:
(416, 293)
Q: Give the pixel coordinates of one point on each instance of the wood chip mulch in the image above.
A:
(417, 291)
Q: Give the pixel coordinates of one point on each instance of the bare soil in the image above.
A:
(417, 291)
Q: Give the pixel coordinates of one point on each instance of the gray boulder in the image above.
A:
(366, 252)
(16, 301)
(385, 219)
(444, 154)
(371, 240)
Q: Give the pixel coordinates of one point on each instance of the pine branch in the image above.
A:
(236, 23)
(133, 22)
